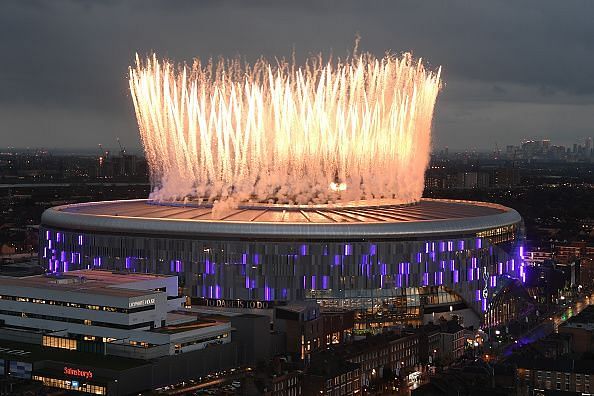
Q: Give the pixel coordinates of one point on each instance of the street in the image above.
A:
(548, 325)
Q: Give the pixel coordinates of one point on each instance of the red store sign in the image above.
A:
(87, 374)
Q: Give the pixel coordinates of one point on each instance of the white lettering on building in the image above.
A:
(141, 303)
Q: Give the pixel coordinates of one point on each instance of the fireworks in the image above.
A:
(276, 132)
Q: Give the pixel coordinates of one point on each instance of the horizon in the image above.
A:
(138, 150)
(75, 94)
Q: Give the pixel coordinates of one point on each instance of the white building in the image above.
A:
(112, 313)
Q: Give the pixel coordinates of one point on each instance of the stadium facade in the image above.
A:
(392, 263)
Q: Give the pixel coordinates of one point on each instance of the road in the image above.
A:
(548, 326)
(193, 388)
(203, 385)
(571, 311)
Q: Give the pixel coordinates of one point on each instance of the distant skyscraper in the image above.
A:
(546, 144)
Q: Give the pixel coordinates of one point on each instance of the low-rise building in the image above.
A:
(130, 315)
(307, 328)
(330, 375)
(68, 327)
(452, 340)
(382, 355)
(443, 341)
(286, 383)
(470, 379)
(581, 329)
(537, 376)
(277, 378)
(571, 251)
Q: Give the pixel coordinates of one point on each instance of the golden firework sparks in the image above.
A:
(329, 130)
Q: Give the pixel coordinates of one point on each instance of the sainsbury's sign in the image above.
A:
(87, 374)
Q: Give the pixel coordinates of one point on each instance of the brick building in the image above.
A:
(382, 356)
(538, 376)
(308, 329)
(276, 379)
(332, 376)
(444, 341)
(571, 251)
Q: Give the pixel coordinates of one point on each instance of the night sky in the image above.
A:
(512, 69)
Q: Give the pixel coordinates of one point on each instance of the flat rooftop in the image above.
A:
(96, 282)
(32, 353)
(253, 219)
(352, 212)
(199, 323)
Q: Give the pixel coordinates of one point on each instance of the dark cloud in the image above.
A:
(512, 69)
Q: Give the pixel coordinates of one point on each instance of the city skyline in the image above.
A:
(524, 79)
(115, 148)
(280, 198)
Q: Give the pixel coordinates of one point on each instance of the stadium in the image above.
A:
(279, 183)
(391, 263)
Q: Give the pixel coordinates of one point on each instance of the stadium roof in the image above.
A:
(361, 219)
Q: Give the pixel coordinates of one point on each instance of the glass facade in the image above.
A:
(374, 312)
(399, 277)
(511, 301)
(18, 369)
(71, 385)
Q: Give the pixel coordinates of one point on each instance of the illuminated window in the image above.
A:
(66, 384)
(59, 342)
(76, 305)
